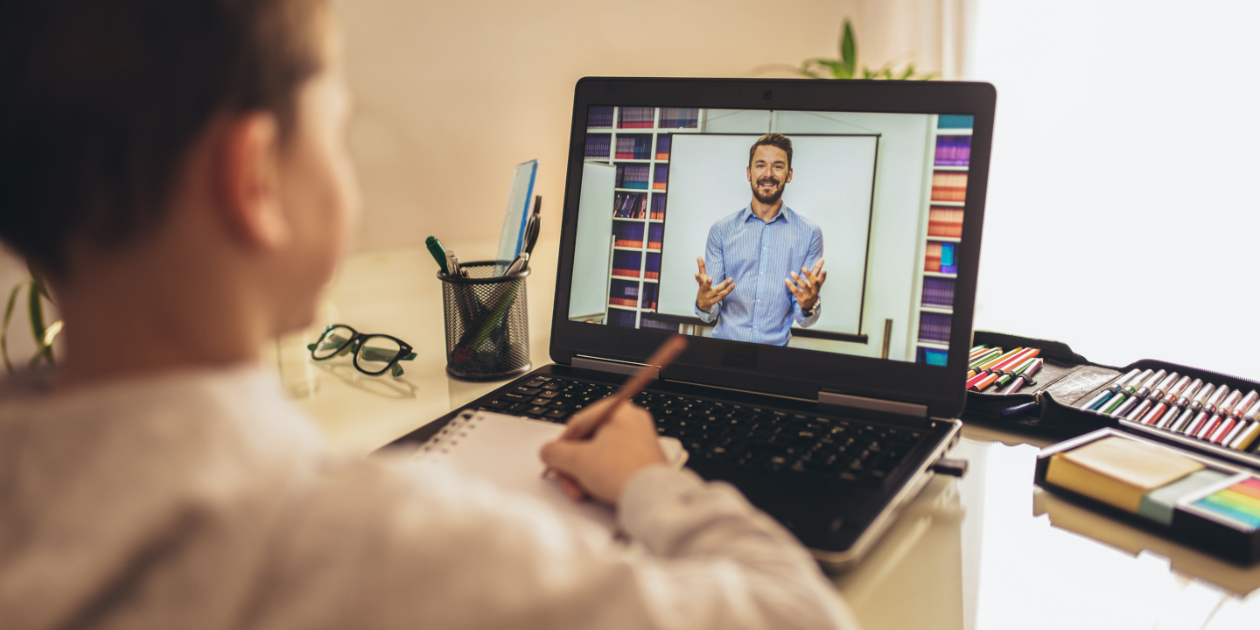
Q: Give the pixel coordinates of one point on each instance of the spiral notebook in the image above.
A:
(503, 450)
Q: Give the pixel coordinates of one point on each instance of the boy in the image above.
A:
(177, 169)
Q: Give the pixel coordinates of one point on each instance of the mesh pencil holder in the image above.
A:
(487, 326)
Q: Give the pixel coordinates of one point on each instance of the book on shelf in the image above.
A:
(629, 205)
(938, 292)
(656, 234)
(940, 258)
(634, 147)
(948, 263)
(647, 321)
(649, 297)
(626, 302)
(933, 356)
(628, 234)
(626, 264)
(632, 176)
(679, 117)
(949, 186)
(624, 319)
(955, 121)
(637, 117)
(652, 270)
(599, 117)
(953, 150)
(658, 207)
(662, 147)
(934, 327)
(945, 222)
(597, 146)
(662, 177)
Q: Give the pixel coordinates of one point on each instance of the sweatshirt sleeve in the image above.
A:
(403, 546)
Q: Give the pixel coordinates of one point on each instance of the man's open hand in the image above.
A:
(806, 285)
(708, 295)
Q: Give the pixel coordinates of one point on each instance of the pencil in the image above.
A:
(663, 356)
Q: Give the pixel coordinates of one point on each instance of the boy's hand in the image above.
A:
(600, 465)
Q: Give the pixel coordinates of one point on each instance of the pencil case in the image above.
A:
(1192, 498)
(1055, 404)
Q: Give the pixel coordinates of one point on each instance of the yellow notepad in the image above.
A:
(1118, 471)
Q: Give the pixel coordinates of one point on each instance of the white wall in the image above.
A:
(1123, 208)
(452, 95)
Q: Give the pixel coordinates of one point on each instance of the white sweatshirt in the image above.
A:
(206, 500)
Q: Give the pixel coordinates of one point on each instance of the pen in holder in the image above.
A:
(487, 326)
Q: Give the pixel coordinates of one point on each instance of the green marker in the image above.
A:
(438, 252)
(985, 358)
(1010, 376)
(1119, 400)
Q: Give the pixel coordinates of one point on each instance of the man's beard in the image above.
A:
(771, 198)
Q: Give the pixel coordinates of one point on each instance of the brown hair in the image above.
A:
(105, 97)
(774, 140)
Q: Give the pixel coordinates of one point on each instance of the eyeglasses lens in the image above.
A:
(376, 353)
(332, 341)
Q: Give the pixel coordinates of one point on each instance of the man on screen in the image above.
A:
(749, 251)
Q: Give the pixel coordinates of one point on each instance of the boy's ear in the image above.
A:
(248, 180)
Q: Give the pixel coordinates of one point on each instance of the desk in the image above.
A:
(988, 552)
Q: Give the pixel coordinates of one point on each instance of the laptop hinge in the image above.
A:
(873, 404)
(614, 367)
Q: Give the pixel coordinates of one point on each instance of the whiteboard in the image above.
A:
(588, 296)
(832, 182)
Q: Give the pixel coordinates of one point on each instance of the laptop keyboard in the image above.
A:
(746, 436)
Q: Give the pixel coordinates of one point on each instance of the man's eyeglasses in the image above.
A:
(373, 354)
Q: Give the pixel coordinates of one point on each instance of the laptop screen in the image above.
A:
(820, 230)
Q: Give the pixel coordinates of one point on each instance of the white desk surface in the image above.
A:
(989, 551)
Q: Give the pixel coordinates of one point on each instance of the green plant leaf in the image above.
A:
(4, 328)
(38, 329)
(821, 68)
(848, 48)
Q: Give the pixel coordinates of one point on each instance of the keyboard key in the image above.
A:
(515, 396)
(528, 391)
(536, 411)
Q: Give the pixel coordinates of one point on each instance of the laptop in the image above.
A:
(828, 404)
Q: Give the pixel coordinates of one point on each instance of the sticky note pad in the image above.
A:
(1239, 502)
(1158, 504)
(1245, 521)
(1118, 471)
(1250, 487)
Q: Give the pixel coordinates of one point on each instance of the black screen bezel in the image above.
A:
(780, 370)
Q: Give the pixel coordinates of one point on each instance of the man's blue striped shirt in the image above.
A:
(758, 256)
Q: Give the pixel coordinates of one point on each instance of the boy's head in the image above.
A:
(120, 117)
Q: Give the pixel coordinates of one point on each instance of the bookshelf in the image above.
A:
(952, 140)
(637, 141)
